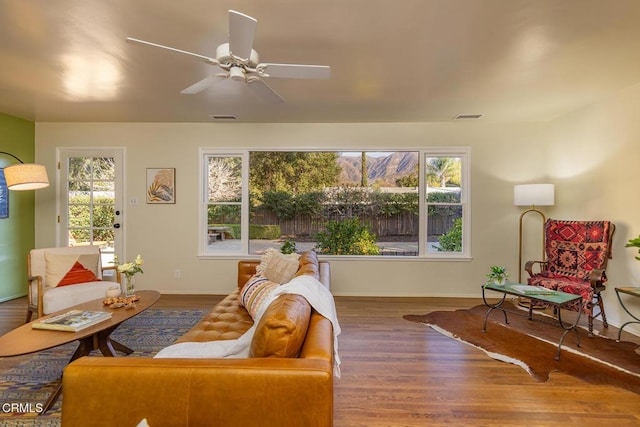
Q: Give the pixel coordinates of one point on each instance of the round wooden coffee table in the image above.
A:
(25, 339)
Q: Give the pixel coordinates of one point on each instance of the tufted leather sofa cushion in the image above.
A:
(227, 320)
(282, 328)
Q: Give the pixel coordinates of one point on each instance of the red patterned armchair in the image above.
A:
(577, 254)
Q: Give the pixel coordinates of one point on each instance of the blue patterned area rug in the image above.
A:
(27, 386)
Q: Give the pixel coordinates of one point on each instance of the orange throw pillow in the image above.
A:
(78, 274)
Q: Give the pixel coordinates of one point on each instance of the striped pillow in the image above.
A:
(255, 293)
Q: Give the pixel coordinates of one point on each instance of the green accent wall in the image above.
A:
(17, 233)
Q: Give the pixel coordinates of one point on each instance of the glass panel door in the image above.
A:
(91, 212)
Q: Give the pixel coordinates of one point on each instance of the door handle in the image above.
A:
(116, 225)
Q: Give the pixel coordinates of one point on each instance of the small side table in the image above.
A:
(633, 291)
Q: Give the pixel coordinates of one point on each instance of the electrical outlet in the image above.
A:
(176, 274)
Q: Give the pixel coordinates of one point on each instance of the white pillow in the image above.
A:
(278, 267)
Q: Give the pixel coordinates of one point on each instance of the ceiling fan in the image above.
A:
(238, 61)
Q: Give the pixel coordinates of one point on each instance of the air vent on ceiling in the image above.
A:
(467, 116)
(223, 117)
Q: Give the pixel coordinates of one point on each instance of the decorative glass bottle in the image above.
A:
(129, 286)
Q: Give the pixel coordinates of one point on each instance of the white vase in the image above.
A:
(499, 281)
(113, 292)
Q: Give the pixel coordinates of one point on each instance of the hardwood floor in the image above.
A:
(400, 373)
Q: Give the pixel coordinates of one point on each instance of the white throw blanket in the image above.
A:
(318, 296)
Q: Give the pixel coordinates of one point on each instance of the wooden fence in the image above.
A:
(402, 224)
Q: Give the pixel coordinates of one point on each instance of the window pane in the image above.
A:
(224, 182)
(444, 176)
(79, 215)
(105, 187)
(443, 186)
(342, 203)
(223, 227)
(79, 237)
(104, 168)
(104, 216)
(79, 169)
(103, 237)
(444, 228)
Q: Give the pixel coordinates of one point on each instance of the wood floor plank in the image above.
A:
(400, 373)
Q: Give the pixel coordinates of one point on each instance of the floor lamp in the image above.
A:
(25, 176)
(22, 176)
(532, 195)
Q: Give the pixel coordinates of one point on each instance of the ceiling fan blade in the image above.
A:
(264, 91)
(294, 71)
(242, 29)
(203, 84)
(184, 52)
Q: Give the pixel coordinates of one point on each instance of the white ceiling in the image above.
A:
(391, 60)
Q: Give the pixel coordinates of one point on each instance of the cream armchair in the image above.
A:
(64, 277)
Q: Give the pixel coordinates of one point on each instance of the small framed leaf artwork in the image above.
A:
(161, 185)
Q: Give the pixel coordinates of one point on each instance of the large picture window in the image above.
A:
(404, 203)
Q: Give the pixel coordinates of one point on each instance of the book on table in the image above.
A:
(533, 290)
(73, 320)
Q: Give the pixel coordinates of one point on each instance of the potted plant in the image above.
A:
(288, 247)
(634, 243)
(497, 275)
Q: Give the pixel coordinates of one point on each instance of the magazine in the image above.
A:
(73, 321)
(533, 290)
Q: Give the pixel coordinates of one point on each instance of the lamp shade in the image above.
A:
(534, 195)
(26, 176)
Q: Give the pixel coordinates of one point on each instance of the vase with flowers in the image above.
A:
(130, 269)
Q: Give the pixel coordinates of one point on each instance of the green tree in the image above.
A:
(451, 241)
(86, 216)
(441, 170)
(225, 179)
(85, 170)
(292, 172)
(347, 237)
(279, 202)
(364, 180)
(410, 180)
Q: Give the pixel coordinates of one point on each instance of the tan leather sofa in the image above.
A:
(266, 389)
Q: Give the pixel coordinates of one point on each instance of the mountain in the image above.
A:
(385, 169)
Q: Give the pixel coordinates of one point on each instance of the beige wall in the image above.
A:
(167, 235)
(590, 155)
(593, 158)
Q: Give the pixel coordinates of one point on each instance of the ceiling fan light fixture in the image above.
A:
(241, 63)
(237, 73)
